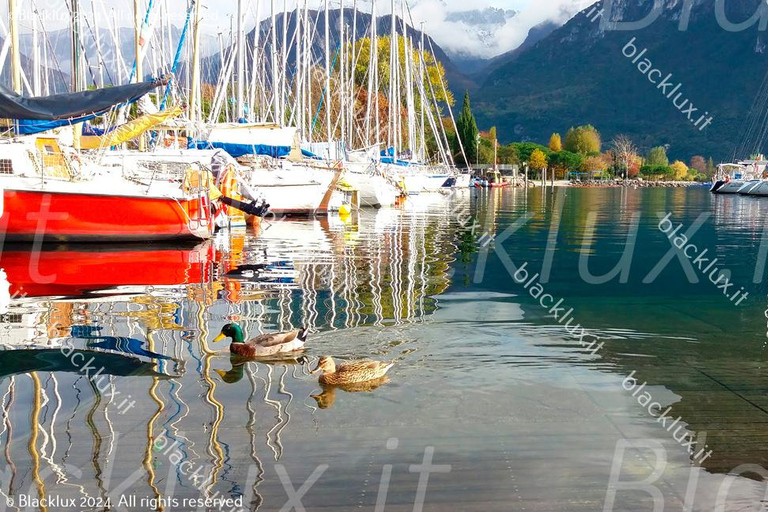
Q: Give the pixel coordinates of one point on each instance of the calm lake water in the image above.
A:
(512, 410)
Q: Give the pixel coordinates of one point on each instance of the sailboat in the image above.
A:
(53, 193)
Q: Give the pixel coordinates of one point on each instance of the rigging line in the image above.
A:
(50, 46)
(81, 44)
(322, 97)
(95, 35)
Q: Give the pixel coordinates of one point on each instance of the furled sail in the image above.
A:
(129, 130)
(71, 105)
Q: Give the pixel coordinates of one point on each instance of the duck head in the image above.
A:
(326, 365)
(233, 331)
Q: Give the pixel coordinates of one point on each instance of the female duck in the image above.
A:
(350, 372)
(262, 346)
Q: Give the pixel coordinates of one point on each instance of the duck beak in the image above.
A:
(221, 373)
(220, 337)
(317, 369)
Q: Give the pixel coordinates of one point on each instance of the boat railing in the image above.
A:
(198, 182)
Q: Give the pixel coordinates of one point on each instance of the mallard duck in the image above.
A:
(327, 398)
(262, 346)
(350, 372)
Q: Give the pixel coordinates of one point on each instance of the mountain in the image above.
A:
(579, 74)
(360, 24)
(58, 51)
(535, 34)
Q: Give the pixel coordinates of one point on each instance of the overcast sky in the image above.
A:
(218, 14)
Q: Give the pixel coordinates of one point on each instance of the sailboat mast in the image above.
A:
(422, 96)
(276, 115)
(409, 84)
(255, 67)
(352, 66)
(342, 74)
(76, 85)
(392, 87)
(195, 85)
(38, 65)
(240, 62)
(284, 62)
(372, 64)
(327, 93)
(297, 74)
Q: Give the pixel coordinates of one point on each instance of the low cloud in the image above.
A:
(483, 41)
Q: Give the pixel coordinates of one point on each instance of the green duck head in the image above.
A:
(233, 331)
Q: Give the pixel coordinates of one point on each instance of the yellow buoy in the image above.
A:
(345, 210)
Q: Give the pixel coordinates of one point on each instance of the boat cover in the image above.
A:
(71, 105)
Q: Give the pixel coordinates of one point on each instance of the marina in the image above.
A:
(285, 268)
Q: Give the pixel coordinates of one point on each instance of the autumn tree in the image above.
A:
(595, 163)
(555, 143)
(359, 53)
(657, 156)
(699, 164)
(466, 130)
(680, 170)
(625, 152)
(584, 140)
(538, 160)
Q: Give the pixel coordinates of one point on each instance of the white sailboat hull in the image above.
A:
(295, 190)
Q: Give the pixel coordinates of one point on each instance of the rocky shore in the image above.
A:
(634, 184)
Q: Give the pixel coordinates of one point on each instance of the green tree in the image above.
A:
(657, 157)
(711, 169)
(525, 150)
(656, 172)
(508, 155)
(466, 129)
(555, 143)
(565, 161)
(584, 140)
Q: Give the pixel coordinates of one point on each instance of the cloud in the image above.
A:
(488, 41)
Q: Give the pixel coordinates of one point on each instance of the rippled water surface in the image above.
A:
(515, 411)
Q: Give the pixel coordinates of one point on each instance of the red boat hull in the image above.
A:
(80, 217)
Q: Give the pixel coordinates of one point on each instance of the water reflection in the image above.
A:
(143, 317)
(483, 372)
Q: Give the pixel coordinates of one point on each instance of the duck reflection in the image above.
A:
(238, 363)
(327, 398)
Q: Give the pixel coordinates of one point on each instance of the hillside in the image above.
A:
(361, 25)
(578, 74)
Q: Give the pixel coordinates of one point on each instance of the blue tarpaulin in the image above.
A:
(238, 150)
